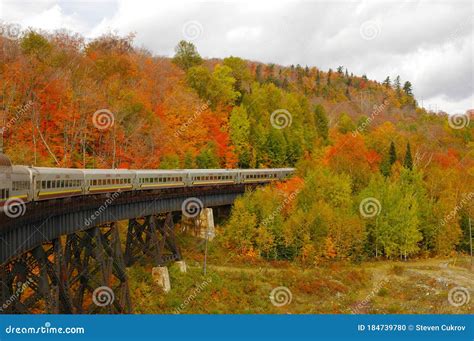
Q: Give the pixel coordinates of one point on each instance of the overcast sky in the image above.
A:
(430, 43)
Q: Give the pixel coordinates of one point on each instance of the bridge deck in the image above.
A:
(47, 220)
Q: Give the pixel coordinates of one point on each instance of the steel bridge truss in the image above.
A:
(85, 272)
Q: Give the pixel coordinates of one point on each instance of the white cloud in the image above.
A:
(244, 33)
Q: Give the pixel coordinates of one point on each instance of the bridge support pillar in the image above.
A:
(161, 277)
(35, 280)
(153, 237)
(204, 223)
(95, 267)
(182, 266)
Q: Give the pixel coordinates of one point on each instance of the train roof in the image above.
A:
(51, 170)
(107, 171)
(267, 170)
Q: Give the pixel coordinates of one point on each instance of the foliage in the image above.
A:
(191, 112)
(186, 55)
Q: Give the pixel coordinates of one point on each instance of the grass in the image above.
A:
(240, 285)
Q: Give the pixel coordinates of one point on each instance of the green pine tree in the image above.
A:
(186, 55)
(408, 163)
(322, 124)
(392, 155)
(389, 160)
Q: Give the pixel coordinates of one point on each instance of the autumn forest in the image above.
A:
(378, 176)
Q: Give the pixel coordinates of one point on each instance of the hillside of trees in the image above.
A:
(351, 139)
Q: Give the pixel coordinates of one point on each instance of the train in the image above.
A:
(28, 183)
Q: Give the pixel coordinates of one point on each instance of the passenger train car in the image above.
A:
(41, 183)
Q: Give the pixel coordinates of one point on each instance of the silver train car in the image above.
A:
(41, 183)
